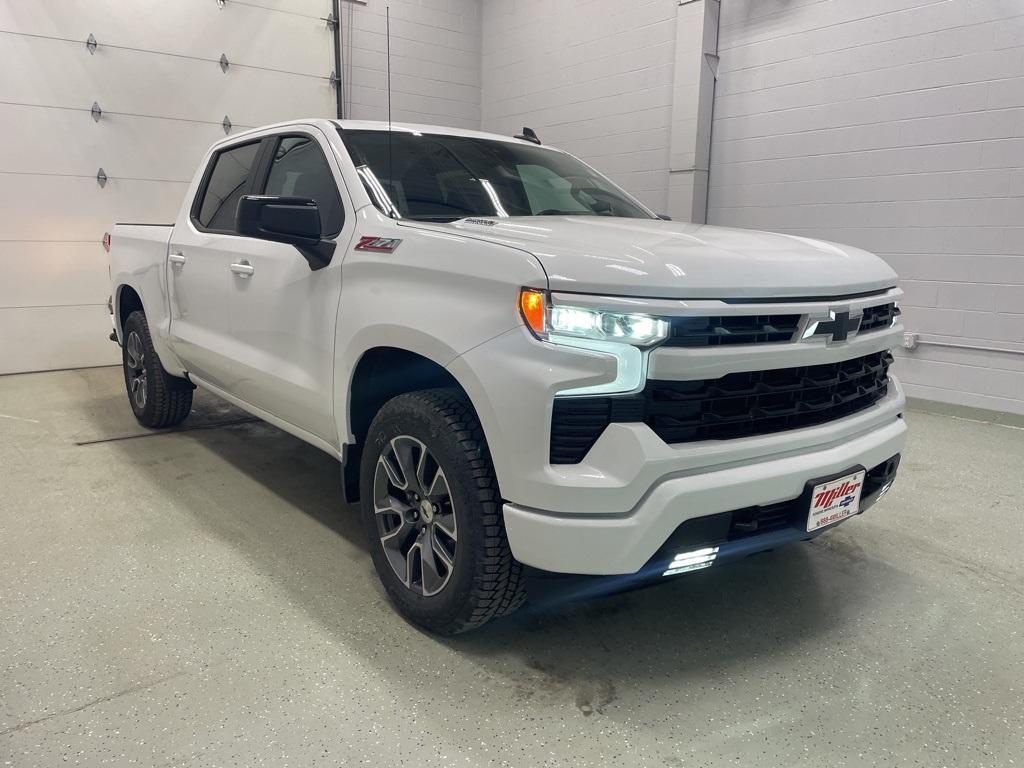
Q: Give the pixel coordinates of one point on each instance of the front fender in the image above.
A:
(438, 294)
(373, 337)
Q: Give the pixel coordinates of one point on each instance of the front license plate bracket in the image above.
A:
(833, 499)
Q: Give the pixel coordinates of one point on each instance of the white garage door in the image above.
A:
(156, 75)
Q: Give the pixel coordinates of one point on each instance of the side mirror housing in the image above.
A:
(291, 220)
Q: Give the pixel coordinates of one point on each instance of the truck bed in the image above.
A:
(140, 251)
(135, 246)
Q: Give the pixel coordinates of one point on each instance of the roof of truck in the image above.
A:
(379, 125)
(382, 125)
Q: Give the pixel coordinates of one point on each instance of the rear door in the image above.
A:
(283, 314)
(203, 246)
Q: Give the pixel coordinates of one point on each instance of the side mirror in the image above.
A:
(291, 220)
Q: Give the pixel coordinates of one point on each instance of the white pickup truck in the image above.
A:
(516, 362)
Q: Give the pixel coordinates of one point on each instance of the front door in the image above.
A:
(282, 314)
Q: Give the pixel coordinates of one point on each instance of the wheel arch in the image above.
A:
(126, 301)
(381, 374)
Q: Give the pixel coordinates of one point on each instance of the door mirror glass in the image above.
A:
(292, 220)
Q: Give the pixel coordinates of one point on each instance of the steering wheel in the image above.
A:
(598, 204)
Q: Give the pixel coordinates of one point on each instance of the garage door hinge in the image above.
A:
(331, 21)
(90, 43)
(96, 112)
(224, 63)
(101, 178)
(226, 124)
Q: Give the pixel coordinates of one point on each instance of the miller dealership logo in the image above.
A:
(837, 327)
(844, 495)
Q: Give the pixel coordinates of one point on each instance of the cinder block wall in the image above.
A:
(897, 126)
(592, 76)
(435, 61)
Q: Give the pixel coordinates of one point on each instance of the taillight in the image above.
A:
(106, 242)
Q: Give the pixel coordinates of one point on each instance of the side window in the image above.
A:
(299, 169)
(228, 181)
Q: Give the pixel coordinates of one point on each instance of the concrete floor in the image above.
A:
(203, 598)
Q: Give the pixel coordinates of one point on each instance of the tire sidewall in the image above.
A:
(402, 417)
(136, 322)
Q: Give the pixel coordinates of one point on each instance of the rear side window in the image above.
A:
(227, 182)
(298, 168)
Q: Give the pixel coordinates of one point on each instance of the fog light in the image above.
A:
(692, 561)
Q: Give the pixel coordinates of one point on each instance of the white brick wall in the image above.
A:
(592, 76)
(897, 126)
(435, 61)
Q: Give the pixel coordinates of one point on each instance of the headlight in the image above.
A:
(582, 323)
(625, 336)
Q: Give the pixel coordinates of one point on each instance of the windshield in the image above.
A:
(431, 177)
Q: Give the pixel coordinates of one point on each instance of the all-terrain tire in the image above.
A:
(158, 399)
(485, 581)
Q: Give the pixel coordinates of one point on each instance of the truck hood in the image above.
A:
(666, 259)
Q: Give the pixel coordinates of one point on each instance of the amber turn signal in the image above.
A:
(531, 305)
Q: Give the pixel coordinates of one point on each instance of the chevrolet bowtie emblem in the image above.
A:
(838, 327)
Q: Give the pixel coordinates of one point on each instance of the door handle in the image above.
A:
(177, 259)
(242, 268)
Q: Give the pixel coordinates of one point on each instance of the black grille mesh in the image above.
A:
(718, 330)
(731, 329)
(877, 318)
(735, 405)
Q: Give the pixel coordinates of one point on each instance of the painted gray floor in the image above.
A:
(203, 598)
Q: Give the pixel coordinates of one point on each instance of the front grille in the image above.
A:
(577, 423)
(735, 405)
(731, 329)
(877, 318)
(719, 330)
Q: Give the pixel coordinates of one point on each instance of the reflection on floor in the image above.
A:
(204, 597)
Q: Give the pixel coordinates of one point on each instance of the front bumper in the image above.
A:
(610, 513)
(624, 544)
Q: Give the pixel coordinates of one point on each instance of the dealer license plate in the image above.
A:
(835, 500)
